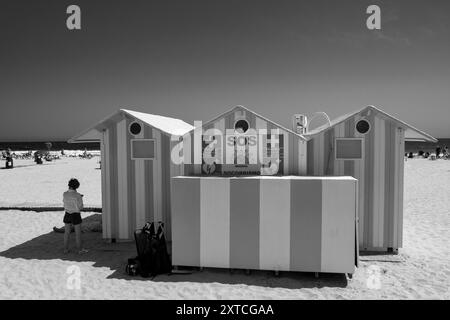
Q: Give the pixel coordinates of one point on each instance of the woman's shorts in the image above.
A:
(72, 218)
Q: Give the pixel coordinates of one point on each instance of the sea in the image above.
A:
(410, 146)
(55, 146)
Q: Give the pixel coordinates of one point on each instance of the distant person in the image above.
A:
(9, 160)
(38, 157)
(438, 152)
(73, 204)
(446, 154)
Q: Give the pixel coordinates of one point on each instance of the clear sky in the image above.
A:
(194, 59)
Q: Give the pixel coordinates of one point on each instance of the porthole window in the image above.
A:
(363, 126)
(241, 126)
(135, 128)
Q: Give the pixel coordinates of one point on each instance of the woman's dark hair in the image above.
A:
(74, 184)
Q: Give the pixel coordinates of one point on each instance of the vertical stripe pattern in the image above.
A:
(380, 175)
(244, 223)
(270, 223)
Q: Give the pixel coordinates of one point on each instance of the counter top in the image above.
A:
(340, 178)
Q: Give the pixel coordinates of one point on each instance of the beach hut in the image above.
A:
(369, 145)
(136, 169)
(251, 135)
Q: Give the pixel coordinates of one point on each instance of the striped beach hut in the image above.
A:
(289, 145)
(136, 169)
(369, 145)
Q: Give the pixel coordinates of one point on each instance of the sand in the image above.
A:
(32, 265)
(31, 185)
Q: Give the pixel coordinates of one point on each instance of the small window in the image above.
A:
(349, 149)
(142, 149)
(241, 126)
(363, 126)
(135, 128)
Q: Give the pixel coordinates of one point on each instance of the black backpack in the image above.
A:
(153, 258)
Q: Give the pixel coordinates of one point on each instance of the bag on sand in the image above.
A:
(153, 258)
(133, 267)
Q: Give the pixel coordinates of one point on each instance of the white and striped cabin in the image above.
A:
(376, 159)
(136, 170)
(290, 145)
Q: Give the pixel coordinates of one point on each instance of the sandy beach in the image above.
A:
(33, 266)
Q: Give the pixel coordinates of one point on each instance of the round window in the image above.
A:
(135, 128)
(363, 126)
(241, 126)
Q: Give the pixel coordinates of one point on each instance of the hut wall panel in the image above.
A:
(328, 141)
(106, 186)
(244, 234)
(381, 182)
(389, 183)
(148, 181)
(322, 154)
(400, 177)
(375, 190)
(157, 178)
(166, 173)
(360, 175)
(112, 181)
(305, 225)
(396, 189)
(274, 229)
(131, 183)
(186, 230)
(349, 165)
(197, 150)
(220, 149)
(286, 155)
(339, 132)
(260, 125)
(378, 183)
(139, 179)
(338, 237)
(369, 185)
(295, 155)
(302, 157)
(122, 159)
(316, 160)
(215, 222)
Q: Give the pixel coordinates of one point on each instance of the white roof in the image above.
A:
(170, 126)
(411, 133)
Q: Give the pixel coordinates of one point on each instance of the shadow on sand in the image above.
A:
(114, 256)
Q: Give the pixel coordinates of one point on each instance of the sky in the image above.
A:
(195, 59)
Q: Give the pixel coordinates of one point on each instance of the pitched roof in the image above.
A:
(256, 114)
(411, 133)
(170, 126)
